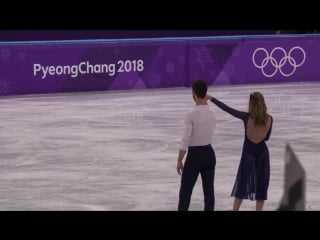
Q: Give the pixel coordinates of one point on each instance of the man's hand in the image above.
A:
(179, 161)
(179, 167)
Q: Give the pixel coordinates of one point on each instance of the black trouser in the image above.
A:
(200, 159)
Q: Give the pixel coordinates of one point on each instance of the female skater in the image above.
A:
(252, 179)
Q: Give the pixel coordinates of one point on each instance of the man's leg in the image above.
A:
(188, 180)
(207, 176)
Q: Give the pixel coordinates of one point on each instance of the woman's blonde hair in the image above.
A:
(258, 108)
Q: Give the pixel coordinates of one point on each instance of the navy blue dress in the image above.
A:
(253, 175)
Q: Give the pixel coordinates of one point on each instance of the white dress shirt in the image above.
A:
(199, 126)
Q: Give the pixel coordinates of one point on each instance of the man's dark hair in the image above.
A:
(200, 88)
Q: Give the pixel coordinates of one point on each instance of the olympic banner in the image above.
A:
(98, 65)
(256, 60)
(279, 60)
(93, 66)
(214, 61)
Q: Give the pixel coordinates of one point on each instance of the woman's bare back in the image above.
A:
(257, 133)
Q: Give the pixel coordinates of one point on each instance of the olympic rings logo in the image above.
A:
(279, 65)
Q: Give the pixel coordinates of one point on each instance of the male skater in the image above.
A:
(199, 126)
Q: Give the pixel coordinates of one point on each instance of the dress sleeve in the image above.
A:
(226, 108)
(269, 132)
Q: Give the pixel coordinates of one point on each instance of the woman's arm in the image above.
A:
(270, 130)
(226, 108)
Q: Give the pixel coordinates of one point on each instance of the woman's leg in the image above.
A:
(237, 203)
(259, 205)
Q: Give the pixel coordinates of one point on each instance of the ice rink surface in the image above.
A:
(117, 150)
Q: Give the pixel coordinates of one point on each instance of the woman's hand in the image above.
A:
(208, 97)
